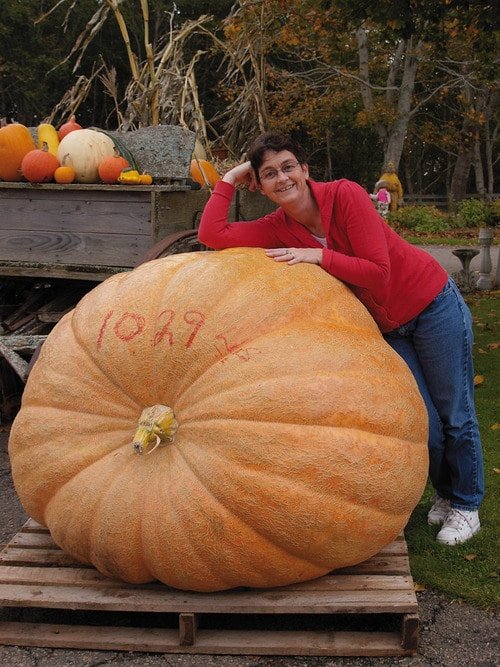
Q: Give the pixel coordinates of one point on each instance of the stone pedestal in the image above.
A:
(465, 277)
(497, 276)
(485, 281)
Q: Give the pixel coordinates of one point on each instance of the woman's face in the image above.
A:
(282, 178)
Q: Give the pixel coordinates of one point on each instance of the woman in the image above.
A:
(417, 307)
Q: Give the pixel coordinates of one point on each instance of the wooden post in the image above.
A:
(188, 624)
(15, 360)
(410, 626)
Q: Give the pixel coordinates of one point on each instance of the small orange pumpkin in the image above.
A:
(110, 168)
(39, 165)
(146, 179)
(68, 127)
(65, 174)
(204, 173)
(15, 142)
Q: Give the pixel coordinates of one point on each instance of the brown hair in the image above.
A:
(273, 141)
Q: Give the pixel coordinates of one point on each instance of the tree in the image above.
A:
(393, 58)
(358, 83)
(469, 54)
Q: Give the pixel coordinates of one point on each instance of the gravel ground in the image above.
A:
(452, 634)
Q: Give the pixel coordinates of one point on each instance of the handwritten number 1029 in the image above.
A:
(130, 325)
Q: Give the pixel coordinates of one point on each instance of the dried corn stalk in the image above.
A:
(246, 31)
(162, 88)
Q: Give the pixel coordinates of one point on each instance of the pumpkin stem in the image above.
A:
(157, 425)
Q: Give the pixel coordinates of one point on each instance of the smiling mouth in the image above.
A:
(286, 188)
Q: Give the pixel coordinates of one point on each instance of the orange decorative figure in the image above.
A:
(393, 184)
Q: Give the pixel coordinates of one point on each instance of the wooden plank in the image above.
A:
(31, 556)
(176, 185)
(73, 248)
(125, 213)
(379, 565)
(50, 317)
(396, 548)
(227, 642)
(39, 269)
(25, 343)
(33, 541)
(21, 556)
(33, 526)
(90, 576)
(233, 602)
(19, 365)
(393, 563)
(339, 582)
(77, 194)
(31, 301)
(49, 576)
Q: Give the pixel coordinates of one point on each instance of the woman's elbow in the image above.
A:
(208, 240)
(384, 276)
(203, 237)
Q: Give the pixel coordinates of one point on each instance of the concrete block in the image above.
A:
(164, 151)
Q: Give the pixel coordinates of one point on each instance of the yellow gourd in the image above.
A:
(133, 177)
(47, 134)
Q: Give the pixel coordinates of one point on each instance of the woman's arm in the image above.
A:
(216, 232)
(362, 232)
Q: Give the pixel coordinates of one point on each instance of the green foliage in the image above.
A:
(420, 219)
(469, 571)
(478, 213)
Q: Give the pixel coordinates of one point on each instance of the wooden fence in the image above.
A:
(439, 201)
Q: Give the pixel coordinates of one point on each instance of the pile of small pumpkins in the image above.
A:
(69, 154)
(73, 154)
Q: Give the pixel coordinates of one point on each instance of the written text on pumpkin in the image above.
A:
(157, 425)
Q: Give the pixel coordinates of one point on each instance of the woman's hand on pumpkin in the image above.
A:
(296, 255)
(242, 174)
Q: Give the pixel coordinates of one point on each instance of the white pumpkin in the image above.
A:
(86, 149)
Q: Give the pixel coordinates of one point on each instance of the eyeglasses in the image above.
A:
(271, 174)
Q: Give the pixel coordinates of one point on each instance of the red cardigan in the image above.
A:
(392, 278)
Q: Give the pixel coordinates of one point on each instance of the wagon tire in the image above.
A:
(173, 244)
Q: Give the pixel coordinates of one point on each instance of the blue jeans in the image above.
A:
(437, 346)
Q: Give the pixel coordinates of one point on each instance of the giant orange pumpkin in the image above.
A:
(293, 439)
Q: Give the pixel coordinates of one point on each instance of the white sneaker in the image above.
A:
(439, 510)
(458, 527)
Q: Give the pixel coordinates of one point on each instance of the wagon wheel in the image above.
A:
(186, 241)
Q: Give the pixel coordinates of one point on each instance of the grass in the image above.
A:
(458, 241)
(464, 236)
(470, 572)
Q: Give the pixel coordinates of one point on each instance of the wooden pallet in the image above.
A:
(366, 610)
